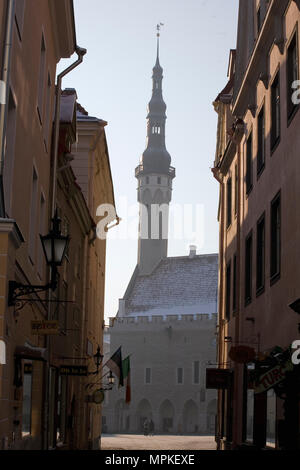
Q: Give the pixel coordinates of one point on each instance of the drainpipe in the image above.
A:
(4, 98)
(80, 52)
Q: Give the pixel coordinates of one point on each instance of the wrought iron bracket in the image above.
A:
(17, 291)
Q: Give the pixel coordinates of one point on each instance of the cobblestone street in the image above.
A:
(159, 442)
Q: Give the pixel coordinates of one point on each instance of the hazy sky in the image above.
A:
(114, 84)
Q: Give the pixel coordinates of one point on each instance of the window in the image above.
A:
(261, 140)
(27, 399)
(41, 82)
(148, 375)
(196, 372)
(292, 74)
(250, 415)
(63, 307)
(271, 418)
(236, 194)
(260, 254)
(48, 116)
(19, 16)
(42, 232)
(275, 237)
(33, 216)
(248, 269)
(180, 375)
(158, 180)
(234, 299)
(228, 289)
(10, 152)
(249, 164)
(258, 19)
(229, 201)
(147, 179)
(275, 111)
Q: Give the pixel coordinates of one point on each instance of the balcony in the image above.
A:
(139, 171)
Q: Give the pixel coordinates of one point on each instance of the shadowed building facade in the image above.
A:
(257, 167)
(40, 407)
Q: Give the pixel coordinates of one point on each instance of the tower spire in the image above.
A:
(155, 176)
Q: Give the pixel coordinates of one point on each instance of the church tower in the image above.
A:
(155, 176)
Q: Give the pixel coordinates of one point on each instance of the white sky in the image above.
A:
(114, 84)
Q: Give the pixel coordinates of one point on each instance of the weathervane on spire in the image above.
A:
(158, 27)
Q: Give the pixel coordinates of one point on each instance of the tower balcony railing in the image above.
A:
(140, 170)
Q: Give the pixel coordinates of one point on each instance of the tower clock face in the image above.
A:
(98, 397)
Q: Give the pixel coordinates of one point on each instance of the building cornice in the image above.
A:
(63, 27)
(10, 226)
(272, 32)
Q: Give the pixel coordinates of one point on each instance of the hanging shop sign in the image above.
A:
(27, 368)
(273, 377)
(98, 397)
(45, 327)
(73, 370)
(242, 354)
(218, 378)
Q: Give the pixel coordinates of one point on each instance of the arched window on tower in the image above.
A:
(160, 226)
(156, 129)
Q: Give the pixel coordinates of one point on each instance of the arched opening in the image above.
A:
(143, 412)
(120, 408)
(190, 417)
(166, 417)
(211, 416)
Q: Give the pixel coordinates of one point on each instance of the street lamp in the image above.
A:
(98, 358)
(111, 379)
(54, 246)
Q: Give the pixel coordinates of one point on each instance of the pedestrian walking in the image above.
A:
(151, 427)
(146, 427)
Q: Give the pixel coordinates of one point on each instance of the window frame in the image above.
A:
(261, 140)
(229, 202)
(145, 376)
(248, 275)
(260, 288)
(228, 292)
(274, 276)
(194, 372)
(177, 376)
(275, 105)
(249, 163)
(291, 107)
(19, 17)
(234, 284)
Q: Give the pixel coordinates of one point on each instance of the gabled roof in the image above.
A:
(178, 285)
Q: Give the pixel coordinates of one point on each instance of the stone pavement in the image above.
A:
(159, 442)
